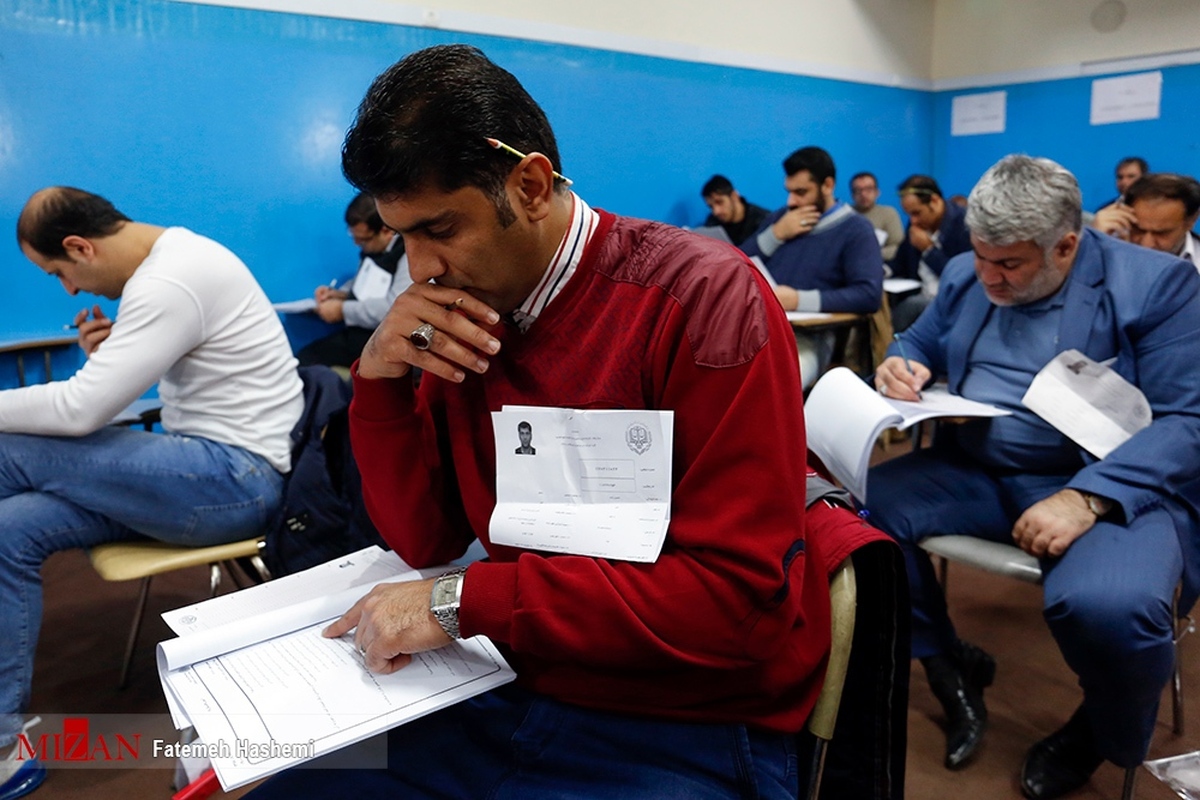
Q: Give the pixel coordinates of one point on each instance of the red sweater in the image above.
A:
(731, 623)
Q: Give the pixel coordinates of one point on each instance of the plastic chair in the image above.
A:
(843, 607)
(1013, 562)
(124, 561)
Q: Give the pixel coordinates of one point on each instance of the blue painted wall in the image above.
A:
(1050, 119)
(230, 121)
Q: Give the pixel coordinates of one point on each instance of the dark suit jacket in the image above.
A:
(1130, 303)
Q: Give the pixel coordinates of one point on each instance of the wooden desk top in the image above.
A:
(44, 342)
(813, 320)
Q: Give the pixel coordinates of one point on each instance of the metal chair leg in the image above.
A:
(134, 630)
(1130, 783)
(818, 769)
(214, 578)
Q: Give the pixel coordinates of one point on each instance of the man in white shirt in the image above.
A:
(193, 320)
(1165, 207)
(382, 275)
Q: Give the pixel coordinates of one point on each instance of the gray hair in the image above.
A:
(1022, 199)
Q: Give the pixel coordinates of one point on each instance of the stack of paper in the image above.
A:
(265, 690)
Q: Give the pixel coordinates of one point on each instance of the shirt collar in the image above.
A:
(566, 260)
(1189, 248)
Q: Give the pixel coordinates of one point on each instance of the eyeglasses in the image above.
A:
(499, 145)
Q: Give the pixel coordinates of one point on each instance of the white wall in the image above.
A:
(875, 41)
(1044, 38)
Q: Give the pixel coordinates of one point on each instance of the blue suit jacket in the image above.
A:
(1138, 306)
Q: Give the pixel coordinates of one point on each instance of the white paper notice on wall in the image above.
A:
(973, 114)
(1126, 98)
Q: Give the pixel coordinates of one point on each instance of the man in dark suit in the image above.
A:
(1115, 536)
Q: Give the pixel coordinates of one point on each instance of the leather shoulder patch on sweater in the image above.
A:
(713, 283)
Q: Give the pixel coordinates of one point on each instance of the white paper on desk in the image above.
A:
(808, 316)
(290, 685)
(599, 483)
(762, 268)
(296, 306)
(900, 285)
(1088, 402)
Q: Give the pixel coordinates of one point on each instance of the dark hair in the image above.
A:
(717, 184)
(362, 211)
(1136, 160)
(425, 122)
(1166, 186)
(816, 161)
(922, 187)
(870, 175)
(53, 214)
(524, 426)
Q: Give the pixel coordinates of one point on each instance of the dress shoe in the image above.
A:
(1062, 762)
(958, 680)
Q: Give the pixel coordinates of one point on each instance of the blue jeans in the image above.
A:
(512, 744)
(58, 493)
(1107, 600)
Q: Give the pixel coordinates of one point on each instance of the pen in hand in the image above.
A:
(904, 355)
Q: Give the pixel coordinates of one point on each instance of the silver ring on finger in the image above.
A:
(883, 389)
(422, 337)
(362, 651)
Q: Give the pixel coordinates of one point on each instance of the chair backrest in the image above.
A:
(843, 602)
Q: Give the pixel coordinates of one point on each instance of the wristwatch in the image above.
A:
(1096, 504)
(445, 598)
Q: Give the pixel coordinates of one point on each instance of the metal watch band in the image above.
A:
(444, 600)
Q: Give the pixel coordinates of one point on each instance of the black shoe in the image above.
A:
(958, 680)
(1062, 762)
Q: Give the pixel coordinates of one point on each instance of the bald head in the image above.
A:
(54, 213)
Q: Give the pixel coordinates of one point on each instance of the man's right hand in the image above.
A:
(324, 293)
(1115, 220)
(893, 378)
(795, 222)
(92, 331)
(458, 341)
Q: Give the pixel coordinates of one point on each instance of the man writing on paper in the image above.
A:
(687, 676)
(193, 320)
(1115, 536)
(382, 275)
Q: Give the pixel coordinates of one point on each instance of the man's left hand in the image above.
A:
(331, 310)
(393, 620)
(1048, 527)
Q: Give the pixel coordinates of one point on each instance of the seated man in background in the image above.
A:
(382, 275)
(824, 256)
(1115, 536)
(937, 231)
(193, 320)
(1165, 207)
(864, 193)
(633, 679)
(737, 216)
(1115, 217)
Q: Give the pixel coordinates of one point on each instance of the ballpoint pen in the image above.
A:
(904, 355)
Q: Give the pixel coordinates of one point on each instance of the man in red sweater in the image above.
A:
(685, 677)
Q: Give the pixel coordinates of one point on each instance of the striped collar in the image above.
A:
(570, 252)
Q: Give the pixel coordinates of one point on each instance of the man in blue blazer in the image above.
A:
(1115, 536)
